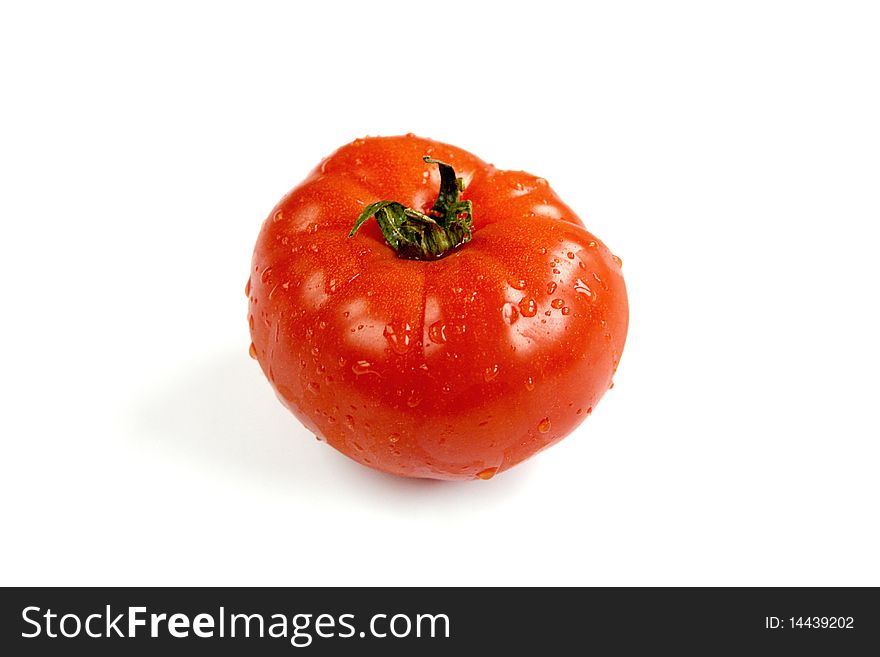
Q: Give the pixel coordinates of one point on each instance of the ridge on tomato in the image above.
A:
(429, 315)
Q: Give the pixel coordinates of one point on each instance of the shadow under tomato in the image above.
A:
(220, 414)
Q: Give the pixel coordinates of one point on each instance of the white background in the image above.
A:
(729, 152)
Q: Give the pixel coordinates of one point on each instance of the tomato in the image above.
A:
(468, 322)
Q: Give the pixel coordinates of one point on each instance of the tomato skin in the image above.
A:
(449, 369)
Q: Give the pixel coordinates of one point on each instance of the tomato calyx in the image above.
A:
(418, 235)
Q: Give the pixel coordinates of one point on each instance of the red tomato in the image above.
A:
(465, 351)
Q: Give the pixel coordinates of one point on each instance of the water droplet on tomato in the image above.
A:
(253, 351)
(314, 387)
(278, 216)
(357, 446)
(557, 303)
(313, 247)
(617, 260)
(490, 373)
(414, 399)
(592, 244)
(517, 284)
(544, 425)
(264, 277)
(610, 384)
(570, 255)
(510, 313)
(251, 322)
(393, 438)
(530, 384)
(583, 289)
(551, 287)
(362, 367)
(349, 421)
(437, 332)
(486, 474)
(247, 288)
(566, 310)
(400, 339)
(528, 307)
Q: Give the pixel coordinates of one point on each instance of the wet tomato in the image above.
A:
(429, 315)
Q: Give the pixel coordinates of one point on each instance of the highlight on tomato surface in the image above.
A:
(429, 315)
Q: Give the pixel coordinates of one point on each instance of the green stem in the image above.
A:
(420, 236)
